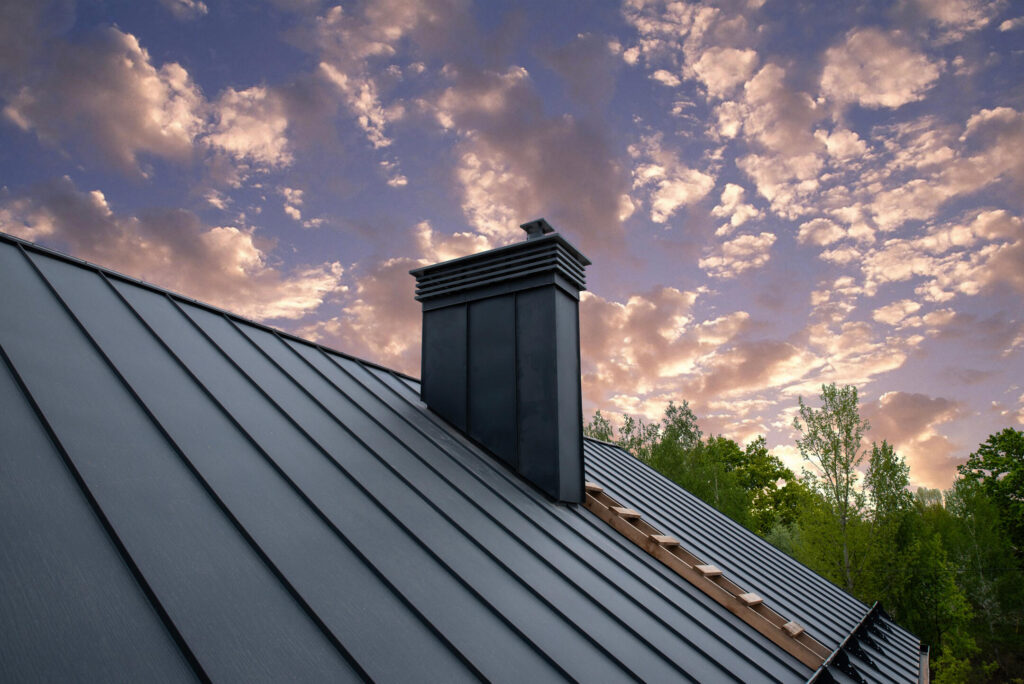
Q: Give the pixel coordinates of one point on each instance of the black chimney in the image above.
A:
(501, 354)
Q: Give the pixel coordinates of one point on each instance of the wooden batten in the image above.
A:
(711, 580)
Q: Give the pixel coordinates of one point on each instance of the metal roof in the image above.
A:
(185, 495)
(879, 649)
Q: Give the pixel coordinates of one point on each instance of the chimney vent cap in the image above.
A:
(537, 228)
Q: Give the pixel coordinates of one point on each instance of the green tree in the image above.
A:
(830, 441)
(998, 466)
(989, 576)
(680, 425)
(760, 473)
(599, 428)
(639, 438)
(887, 482)
(708, 470)
(939, 613)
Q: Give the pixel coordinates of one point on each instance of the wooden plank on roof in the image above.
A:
(748, 606)
(627, 513)
(709, 570)
(750, 599)
(793, 629)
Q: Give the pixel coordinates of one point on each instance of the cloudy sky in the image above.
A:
(774, 195)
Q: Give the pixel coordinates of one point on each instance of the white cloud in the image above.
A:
(740, 254)
(225, 265)
(186, 9)
(106, 94)
(731, 206)
(292, 202)
(666, 78)
(379, 318)
(434, 248)
(670, 183)
(842, 143)
(957, 18)
(722, 69)
(911, 422)
(820, 231)
(251, 125)
(351, 45)
(895, 312)
(1011, 24)
(515, 162)
(874, 69)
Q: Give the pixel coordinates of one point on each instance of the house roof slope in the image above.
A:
(189, 495)
(877, 647)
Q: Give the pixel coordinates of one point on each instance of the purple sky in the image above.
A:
(774, 195)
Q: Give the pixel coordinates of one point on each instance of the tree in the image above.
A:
(998, 466)
(939, 612)
(639, 438)
(760, 473)
(680, 425)
(831, 438)
(599, 428)
(708, 471)
(887, 483)
(988, 575)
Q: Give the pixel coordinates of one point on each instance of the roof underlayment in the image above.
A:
(188, 495)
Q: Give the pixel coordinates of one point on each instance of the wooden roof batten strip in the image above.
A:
(749, 607)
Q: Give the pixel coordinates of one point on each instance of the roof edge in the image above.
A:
(51, 252)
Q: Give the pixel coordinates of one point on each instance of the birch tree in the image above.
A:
(831, 441)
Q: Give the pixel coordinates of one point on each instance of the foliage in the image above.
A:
(599, 428)
(998, 466)
(771, 504)
(708, 471)
(887, 484)
(830, 440)
(887, 481)
(989, 575)
(947, 566)
(639, 438)
(680, 426)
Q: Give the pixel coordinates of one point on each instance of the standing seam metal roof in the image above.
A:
(189, 495)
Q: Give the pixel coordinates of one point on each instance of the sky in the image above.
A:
(774, 194)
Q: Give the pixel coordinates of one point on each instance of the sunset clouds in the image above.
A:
(772, 199)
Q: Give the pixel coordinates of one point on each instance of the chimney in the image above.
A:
(501, 354)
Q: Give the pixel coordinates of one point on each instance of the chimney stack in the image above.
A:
(501, 354)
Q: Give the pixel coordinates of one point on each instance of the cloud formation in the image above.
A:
(106, 93)
(740, 254)
(911, 422)
(874, 69)
(224, 265)
(515, 161)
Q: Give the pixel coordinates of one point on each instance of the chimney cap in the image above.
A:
(537, 228)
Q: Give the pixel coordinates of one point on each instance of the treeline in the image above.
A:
(948, 566)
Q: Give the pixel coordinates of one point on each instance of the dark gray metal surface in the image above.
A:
(501, 354)
(188, 495)
(829, 614)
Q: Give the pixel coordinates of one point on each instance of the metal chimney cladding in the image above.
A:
(501, 354)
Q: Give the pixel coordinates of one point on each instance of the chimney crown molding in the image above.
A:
(546, 260)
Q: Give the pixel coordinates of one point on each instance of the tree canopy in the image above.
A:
(947, 566)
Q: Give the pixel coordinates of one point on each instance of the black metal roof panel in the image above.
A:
(829, 614)
(186, 494)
